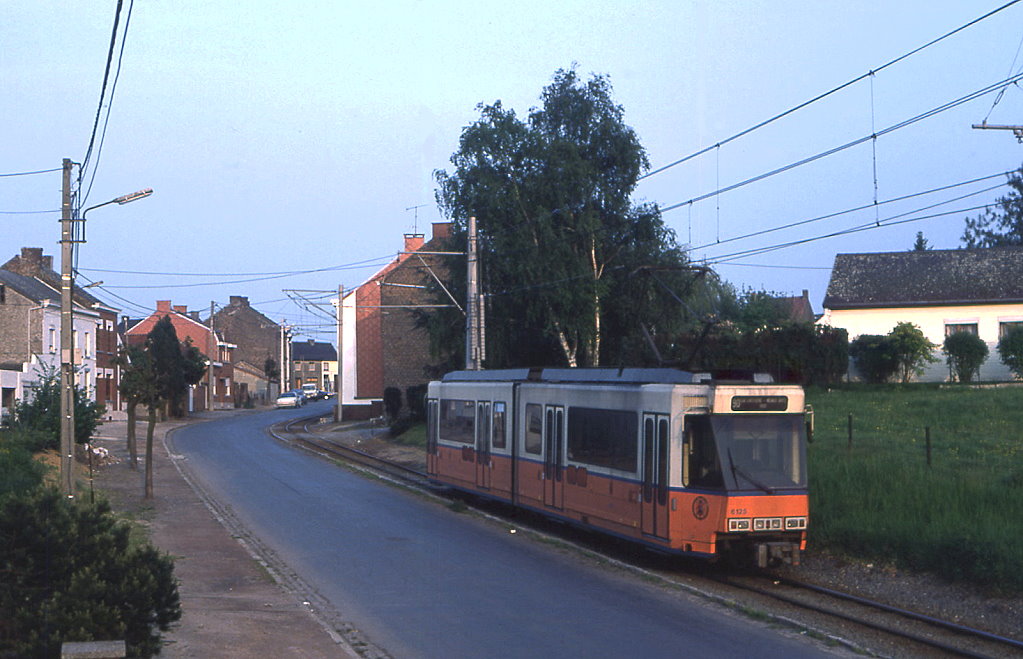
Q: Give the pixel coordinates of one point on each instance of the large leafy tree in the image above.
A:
(1003, 225)
(566, 256)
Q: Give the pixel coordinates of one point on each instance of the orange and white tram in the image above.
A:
(674, 460)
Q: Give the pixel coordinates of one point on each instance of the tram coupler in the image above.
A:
(776, 553)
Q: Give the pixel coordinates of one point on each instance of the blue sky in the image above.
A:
(281, 138)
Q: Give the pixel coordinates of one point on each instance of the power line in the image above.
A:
(343, 266)
(825, 94)
(857, 209)
(28, 212)
(110, 103)
(38, 171)
(103, 90)
(832, 151)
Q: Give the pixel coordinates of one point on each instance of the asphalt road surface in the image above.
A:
(419, 580)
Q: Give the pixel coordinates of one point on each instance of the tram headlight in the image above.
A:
(767, 524)
(736, 524)
(795, 523)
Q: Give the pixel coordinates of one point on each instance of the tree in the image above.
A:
(1010, 349)
(562, 247)
(138, 386)
(921, 244)
(169, 384)
(272, 374)
(965, 352)
(1003, 225)
(912, 350)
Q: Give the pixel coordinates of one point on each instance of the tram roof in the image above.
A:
(608, 375)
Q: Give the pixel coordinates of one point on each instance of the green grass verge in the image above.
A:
(961, 517)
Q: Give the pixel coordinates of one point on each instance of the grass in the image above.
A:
(961, 517)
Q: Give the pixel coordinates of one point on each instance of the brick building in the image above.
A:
(381, 346)
(257, 338)
(189, 327)
(30, 323)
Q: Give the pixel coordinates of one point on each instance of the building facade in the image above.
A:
(381, 345)
(940, 291)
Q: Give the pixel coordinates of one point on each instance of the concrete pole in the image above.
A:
(472, 317)
(212, 350)
(67, 351)
(339, 378)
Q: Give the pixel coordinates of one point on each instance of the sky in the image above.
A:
(291, 145)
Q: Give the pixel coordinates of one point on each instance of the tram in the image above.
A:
(674, 460)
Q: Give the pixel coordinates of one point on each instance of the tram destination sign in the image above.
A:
(760, 403)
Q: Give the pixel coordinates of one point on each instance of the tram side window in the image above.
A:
(703, 463)
(458, 421)
(499, 440)
(534, 429)
(603, 438)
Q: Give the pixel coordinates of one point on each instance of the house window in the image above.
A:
(955, 328)
(1005, 327)
(53, 340)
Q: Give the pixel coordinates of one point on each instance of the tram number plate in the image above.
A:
(738, 511)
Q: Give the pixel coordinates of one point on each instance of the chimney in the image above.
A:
(413, 241)
(163, 305)
(181, 309)
(239, 301)
(442, 230)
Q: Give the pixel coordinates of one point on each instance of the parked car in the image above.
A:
(289, 399)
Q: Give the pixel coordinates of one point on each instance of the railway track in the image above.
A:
(892, 630)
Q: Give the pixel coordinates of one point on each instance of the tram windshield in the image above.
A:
(765, 452)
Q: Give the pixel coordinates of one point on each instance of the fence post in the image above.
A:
(927, 433)
(850, 430)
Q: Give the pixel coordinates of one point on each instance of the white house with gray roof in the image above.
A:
(939, 291)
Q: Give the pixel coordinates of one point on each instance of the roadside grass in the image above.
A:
(961, 517)
(414, 435)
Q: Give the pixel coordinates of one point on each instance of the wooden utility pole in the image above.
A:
(339, 377)
(67, 348)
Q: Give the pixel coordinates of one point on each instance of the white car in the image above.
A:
(289, 399)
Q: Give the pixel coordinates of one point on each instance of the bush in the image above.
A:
(966, 352)
(42, 413)
(70, 574)
(912, 350)
(392, 402)
(875, 357)
(21, 472)
(415, 399)
(1010, 349)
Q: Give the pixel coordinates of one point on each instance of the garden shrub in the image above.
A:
(70, 574)
(1010, 349)
(966, 352)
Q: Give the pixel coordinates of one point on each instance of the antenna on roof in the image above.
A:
(415, 217)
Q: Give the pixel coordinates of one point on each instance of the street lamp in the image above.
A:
(67, 353)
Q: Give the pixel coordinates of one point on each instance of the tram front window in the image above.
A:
(763, 452)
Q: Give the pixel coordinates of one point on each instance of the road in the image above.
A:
(420, 580)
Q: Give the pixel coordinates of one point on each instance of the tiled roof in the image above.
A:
(926, 278)
(30, 287)
(306, 351)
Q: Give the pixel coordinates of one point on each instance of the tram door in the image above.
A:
(553, 457)
(431, 436)
(483, 461)
(655, 475)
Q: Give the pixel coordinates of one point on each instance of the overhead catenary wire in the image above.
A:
(832, 151)
(37, 171)
(828, 93)
(103, 89)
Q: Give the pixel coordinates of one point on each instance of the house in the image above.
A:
(313, 362)
(381, 346)
(939, 291)
(257, 338)
(30, 323)
(190, 328)
(794, 309)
